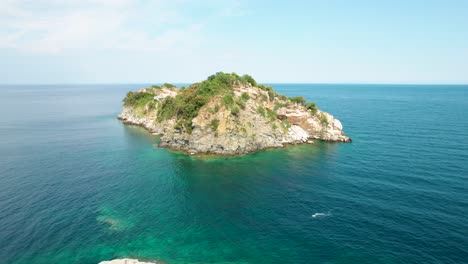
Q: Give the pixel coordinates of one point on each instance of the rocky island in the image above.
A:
(228, 114)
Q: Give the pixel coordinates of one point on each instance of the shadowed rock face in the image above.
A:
(262, 122)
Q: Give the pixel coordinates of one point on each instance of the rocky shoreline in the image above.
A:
(262, 121)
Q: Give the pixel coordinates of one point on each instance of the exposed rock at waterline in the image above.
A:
(125, 261)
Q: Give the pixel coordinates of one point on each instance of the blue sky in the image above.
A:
(124, 41)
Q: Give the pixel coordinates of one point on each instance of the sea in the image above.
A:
(79, 186)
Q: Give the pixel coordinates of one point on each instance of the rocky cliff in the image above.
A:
(228, 115)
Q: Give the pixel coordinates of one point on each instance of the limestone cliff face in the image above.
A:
(261, 121)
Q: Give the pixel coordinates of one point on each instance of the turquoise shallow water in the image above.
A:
(78, 186)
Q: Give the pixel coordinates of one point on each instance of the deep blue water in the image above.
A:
(78, 186)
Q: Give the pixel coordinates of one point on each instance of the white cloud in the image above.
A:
(228, 56)
(54, 26)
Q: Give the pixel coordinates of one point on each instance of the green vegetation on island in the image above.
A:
(136, 99)
(187, 103)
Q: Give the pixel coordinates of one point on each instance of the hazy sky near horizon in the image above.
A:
(124, 41)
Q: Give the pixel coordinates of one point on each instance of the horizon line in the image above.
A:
(189, 83)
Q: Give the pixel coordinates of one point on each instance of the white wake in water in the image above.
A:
(316, 215)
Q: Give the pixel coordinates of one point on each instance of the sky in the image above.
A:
(183, 41)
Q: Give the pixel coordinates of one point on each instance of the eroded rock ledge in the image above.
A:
(239, 117)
